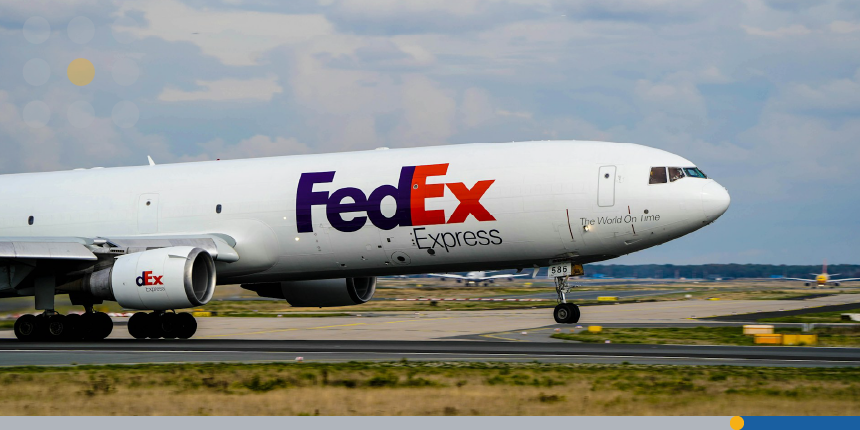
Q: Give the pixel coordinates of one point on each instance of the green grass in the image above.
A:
(817, 317)
(7, 324)
(836, 336)
(428, 388)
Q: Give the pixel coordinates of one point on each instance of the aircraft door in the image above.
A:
(606, 186)
(147, 214)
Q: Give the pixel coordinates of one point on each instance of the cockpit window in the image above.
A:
(675, 173)
(694, 172)
(658, 175)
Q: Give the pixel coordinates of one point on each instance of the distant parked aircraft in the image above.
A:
(823, 278)
(476, 278)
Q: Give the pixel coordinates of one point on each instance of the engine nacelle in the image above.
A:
(319, 293)
(158, 279)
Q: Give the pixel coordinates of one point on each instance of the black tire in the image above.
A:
(88, 328)
(74, 329)
(187, 325)
(154, 325)
(56, 329)
(566, 313)
(26, 328)
(574, 313)
(561, 313)
(98, 325)
(169, 325)
(138, 325)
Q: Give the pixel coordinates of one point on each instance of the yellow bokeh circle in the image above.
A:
(81, 71)
(737, 423)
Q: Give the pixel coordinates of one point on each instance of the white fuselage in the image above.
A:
(560, 200)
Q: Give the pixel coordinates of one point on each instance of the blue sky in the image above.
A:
(764, 95)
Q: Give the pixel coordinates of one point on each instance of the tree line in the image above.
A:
(712, 271)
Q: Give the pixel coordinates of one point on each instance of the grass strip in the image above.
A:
(427, 388)
(829, 336)
(817, 317)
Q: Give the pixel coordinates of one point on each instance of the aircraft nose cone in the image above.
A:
(715, 200)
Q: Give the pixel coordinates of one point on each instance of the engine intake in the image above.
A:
(319, 293)
(158, 279)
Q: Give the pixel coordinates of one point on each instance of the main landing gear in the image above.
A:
(51, 326)
(564, 313)
(167, 325)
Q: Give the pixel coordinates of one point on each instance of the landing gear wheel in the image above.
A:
(154, 325)
(169, 326)
(187, 325)
(26, 328)
(56, 328)
(73, 327)
(566, 313)
(574, 313)
(96, 325)
(138, 326)
(561, 313)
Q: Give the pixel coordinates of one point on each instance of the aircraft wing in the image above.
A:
(505, 276)
(442, 275)
(794, 279)
(219, 246)
(844, 280)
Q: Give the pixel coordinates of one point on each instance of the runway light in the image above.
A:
(297, 239)
(300, 359)
(525, 332)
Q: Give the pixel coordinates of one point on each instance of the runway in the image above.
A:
(129, 352)
(487, 335)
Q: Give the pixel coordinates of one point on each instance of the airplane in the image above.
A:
(823, 278)
(316, 230)
(476, 278)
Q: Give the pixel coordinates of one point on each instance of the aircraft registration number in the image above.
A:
(561, 269)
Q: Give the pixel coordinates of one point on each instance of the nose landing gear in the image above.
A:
(565, 313)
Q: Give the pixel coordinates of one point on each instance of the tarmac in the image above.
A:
(508, 335)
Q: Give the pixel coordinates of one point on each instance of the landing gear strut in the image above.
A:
(168, 325)
(564, 313)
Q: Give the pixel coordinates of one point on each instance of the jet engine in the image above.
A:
(157, 279)
(319, 293)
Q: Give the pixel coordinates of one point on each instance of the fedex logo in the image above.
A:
(410, 194)
(147, 278)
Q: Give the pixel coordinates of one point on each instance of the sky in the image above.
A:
(763, 95)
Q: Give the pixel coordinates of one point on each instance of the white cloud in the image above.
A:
(519, 114)
(255, 146)
(674, 98)
(236, 38)
(261, 89)
(844, 27)
(476, 107)
(56, 12)
(835, 96)
(793, 30)
(429, 113)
